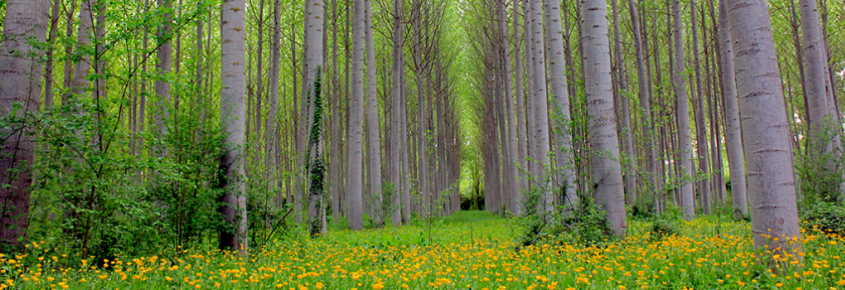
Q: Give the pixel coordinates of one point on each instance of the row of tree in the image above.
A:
(579, 129)
(178, 120)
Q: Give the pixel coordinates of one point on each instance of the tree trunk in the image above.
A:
(20, 84)
(335, 176)
(395, 113)
(374, 136)
(644, 91)
(259, 77)
(530, 120)
(822, 117)
(51, 46)
(771, 185)
(522, 141)
(163, 66)
(511, 152)
(541, 105)
(273, 142)
(686, 166)
(606, 169)
(566, 185)
(700, 127)
(733, 135)
(356, 115)
(629, 159)
(233, 116)
(313, 62)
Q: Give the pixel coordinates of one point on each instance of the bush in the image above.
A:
(826, 216)
(666, 223)
(587, 225)
(643, 208)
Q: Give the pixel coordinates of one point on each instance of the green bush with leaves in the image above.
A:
(826, 216)
(667, 223)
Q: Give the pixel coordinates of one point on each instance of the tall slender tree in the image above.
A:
(541, 105)
(373, 132)
(233, 117)
(355, 155)
(622, 93)
(700, 127)
(521, 141)
(313, 119)
(733, 135)
(682, 113)
(765, 128)
(25, 23)
(396, 116)
(560, 95)
(604, 147)
(163, 67)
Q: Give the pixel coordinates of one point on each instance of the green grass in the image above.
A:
(470, 250)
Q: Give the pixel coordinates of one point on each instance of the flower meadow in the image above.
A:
(471, 250)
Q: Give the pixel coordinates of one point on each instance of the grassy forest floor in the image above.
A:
(470, 250)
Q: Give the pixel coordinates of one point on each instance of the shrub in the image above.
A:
(826, 216)
(666, 223)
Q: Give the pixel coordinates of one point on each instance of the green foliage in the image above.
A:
(388, 190)
(95, 196)
(586, 224)
(643, 208)
(826, 216)
(820, 172)
(667, 223)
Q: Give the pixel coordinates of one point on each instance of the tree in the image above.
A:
(700, 128)
(679, 63)
(396, 116)
(733, 135)
(824, 135)
(163, 67)
(314, 150)
(233, 118)
(355, 155)
(604, 147)
(645, 99)
(540, 106)
(373, 132)
(25, 24)
(557, 73)
(623, 101)
(521, 138)
(765, 128)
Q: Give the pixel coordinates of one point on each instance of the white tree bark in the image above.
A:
(733, 133)
(541, 106)
(374, 136)
(522, 141)
(606, 170)
(645, 94)
(686, 166)
(396, 115)
(630, 175)
(233, 117)
(821, 113)
(765, 128)
(700, 127)
(20, 84)
(565, 170)
(355, 147)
